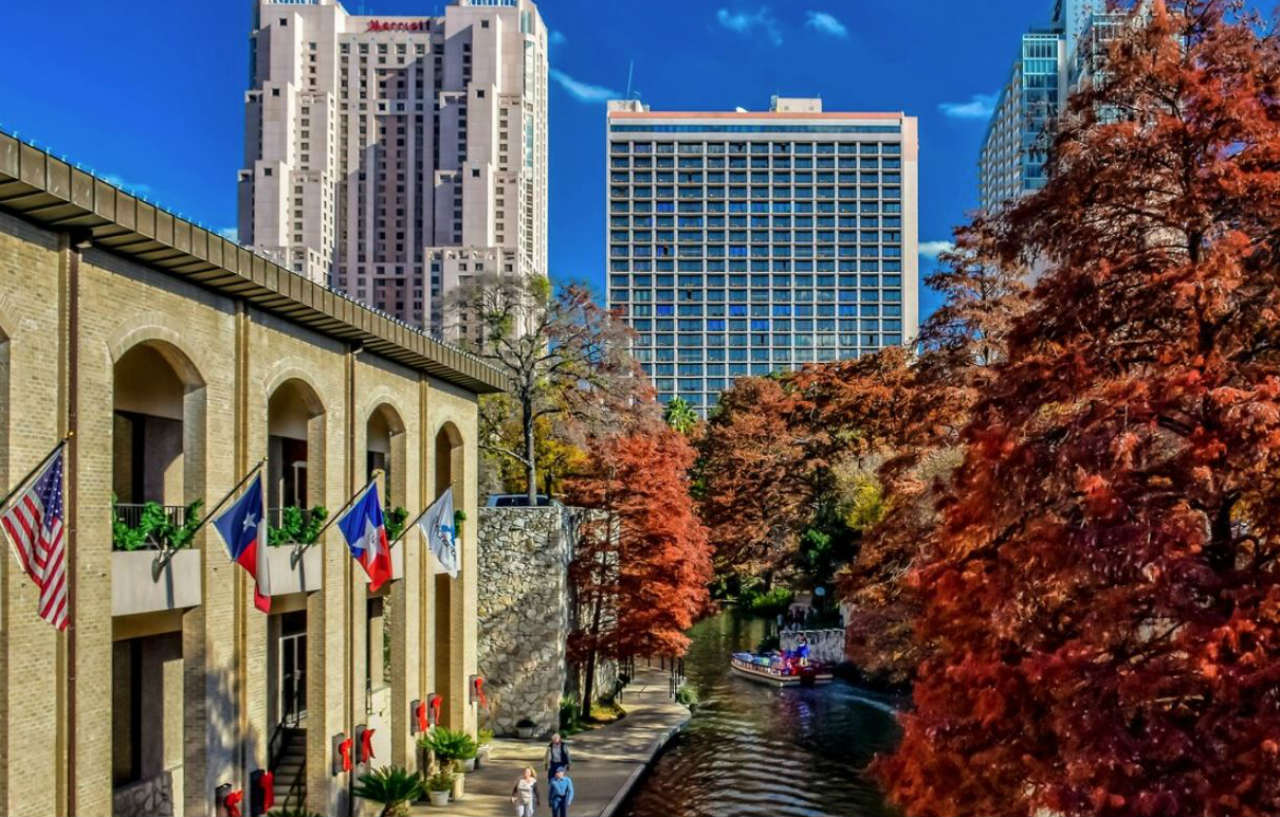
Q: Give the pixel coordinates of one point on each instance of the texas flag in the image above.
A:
(244, 528)
(366, 535)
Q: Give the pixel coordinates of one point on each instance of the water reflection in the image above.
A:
(755, 750)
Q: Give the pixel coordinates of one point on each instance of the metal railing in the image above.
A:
(130, 513)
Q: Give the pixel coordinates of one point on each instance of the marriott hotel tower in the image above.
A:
(388, 157)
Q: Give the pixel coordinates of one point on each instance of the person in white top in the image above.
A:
(525, 794)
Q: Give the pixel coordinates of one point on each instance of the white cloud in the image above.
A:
(582, 91)
(745, 23)
(932, 249)
(128, 186)
(826, 23)
(230, 234)
(556, 37)
(979, 106)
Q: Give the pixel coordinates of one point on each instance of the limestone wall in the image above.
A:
(523, 610)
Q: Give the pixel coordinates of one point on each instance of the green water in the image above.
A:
(751, 749)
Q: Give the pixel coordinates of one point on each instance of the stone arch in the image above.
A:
(159, 405)
(386, 449)
(295, 442)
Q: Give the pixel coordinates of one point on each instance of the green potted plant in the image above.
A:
(484, 745)
(453, 750)
(394, 787)
(438, 787)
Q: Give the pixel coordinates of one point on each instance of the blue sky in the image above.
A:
(150, 94)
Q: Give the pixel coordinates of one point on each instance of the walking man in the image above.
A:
(561, 794)
(557, 756)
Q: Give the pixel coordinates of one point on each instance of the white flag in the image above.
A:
(438, 526)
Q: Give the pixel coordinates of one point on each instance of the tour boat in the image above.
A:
(779, 671)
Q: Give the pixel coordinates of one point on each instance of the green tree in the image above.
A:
(680, 416)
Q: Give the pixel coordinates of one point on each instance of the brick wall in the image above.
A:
(232, 358)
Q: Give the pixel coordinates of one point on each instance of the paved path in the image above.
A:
(607, 761)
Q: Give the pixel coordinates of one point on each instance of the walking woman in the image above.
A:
(525, 794)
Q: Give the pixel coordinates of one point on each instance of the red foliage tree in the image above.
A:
(643, 561)
(1104, 604)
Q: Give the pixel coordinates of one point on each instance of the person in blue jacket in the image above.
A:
(560, 794)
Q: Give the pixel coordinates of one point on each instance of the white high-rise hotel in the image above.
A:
(391, 156)
(746, 243)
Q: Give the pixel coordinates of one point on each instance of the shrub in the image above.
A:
(687, 696)
(393, 786)
(770, 604)
(448, 744)
(440, 781)
(484, 737)
(297, 529)
(570, 714)
(394, 518)
(154, 527)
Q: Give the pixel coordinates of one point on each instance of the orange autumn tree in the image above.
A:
(643, 562)
(1103, 608)
(919, 409)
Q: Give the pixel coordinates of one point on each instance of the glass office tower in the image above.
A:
(746, 243)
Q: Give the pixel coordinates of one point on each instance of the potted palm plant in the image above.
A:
(484, 745)
(438, 787)
(453, 750)
(392, 786)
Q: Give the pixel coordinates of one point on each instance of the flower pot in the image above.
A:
(468, 765)
(459, 787)
(438, 798)
(482, 755)
(525, 732)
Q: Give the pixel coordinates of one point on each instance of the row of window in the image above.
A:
(757, 193)
(866, 309)
(739, 163)
(759, 148)
(756, 265)
(754, 177)
(646, 281)
(755, 221)
(761, 342)
(780, 236)
(765, 325)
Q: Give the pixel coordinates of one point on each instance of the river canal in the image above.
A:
(754, 750)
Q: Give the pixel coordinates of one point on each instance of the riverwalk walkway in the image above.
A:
(607, 761)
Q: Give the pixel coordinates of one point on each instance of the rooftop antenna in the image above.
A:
(631, 69)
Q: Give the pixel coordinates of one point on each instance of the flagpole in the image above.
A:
(214, 510)
(61, 444)
(376, 473)
(415, 521)
(166, 553)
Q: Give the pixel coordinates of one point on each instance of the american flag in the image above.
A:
(34, 524)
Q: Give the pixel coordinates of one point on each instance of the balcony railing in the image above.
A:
(130, 513)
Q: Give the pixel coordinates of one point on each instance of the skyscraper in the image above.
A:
(1052, 62)
(390, 157)
(745, 243)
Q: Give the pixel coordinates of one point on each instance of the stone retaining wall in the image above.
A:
(523, 609)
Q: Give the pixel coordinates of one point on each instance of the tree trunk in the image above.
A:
(530, 452)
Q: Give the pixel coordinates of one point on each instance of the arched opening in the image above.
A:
(294, 487)
(385, 451)
(158, 426)
(153, 384)
(450, 683)
(295, 429)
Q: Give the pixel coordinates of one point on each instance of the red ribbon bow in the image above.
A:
(232, 803)
(345, 749)
(366, 745)
(423, 723)
(268, 783)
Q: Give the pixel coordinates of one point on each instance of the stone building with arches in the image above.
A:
(178, 361)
